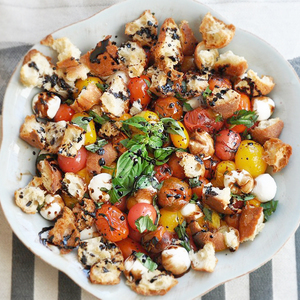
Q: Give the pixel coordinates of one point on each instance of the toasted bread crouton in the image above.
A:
(104, 156)
(73, 185)
(187, 39)
(201, 144)
(133, 56)
(104, 258)
(204, 259)
(230, 64)
(84, 212)
(205, 58)
(251, 222)
(110, 129)
(72, 141)
(231, 237)
(30, 197)
(146, 282)
(267, 129)
(168, 50)
(239, 181)
(217, 199)
(193, 165)
(38, 71)
(68, 54)
(55, 132)
(195, 84)
(115, 100)
(143, 29)
(33, 132)
(64, 234)
(102, 61)
(87, 98)
(215, 33)
(51, 175)
(277, 154)
(253, 85)
(224, 101)
(161, 84)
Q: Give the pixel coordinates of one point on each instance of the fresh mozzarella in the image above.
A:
(265, 187)
(98, 187)
(52, 208)
(264, 107)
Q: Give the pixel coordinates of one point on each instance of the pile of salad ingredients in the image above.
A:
(153, 153)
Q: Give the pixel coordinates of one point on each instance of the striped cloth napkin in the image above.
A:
(24, 23)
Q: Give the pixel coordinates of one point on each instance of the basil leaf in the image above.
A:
(182, 235)
(155, 142)
(172, 126)
(98, 119)
(243, 117)
(184, 101)
(207, 214)
(138, 122)
(156, 209)
(82, 122)
(269, 208)
(145, 223)
(102, 86)
(207, 92)
(162, 155)
(146, 181)
(146, 261)
(195, 182)
(95, 147)
(147, 82)
(243, 197)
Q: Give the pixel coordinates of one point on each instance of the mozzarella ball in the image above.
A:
(176, 260)
(264, 187)
(98, 187)
(133, 266)
(45, 105)
(52, 208)
(264, 107)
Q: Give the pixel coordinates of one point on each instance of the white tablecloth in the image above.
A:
(24, 23)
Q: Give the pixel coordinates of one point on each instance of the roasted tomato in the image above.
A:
(163, 172)
(169, 107)
(198, 189)
(174, 194)
(116, 142)
(219, 82)
(170, 219)
(129, 245)
(141, 210)
(227, 143)
(64, 113)
(73, 164)
(138, 88)
(176, 168)
(121, 204)
(204, 119)
(210, 166)
(111, 223)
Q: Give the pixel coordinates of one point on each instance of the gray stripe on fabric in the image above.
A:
(67, 289)
(297, 246)
(216, 294)
(22, 281)
(9, 59)
(295, 62)
(261, 283)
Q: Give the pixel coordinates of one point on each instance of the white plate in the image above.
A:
(17, 159)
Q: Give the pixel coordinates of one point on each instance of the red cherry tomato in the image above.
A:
(135, 235)
(227, 143)
(177, 169)
(168, 107)
(200, 118)
(219, 82)
(73, 164)
(139, 210)
(138, 88)
(111, 223)
(121, 204)
(128, 245)
(198, 190)
(163, 172)
(64, 113)
(210, 166)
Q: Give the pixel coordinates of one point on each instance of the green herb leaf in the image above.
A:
(146, 261)
(182, 235)
(194, 197)
(162, 155)
(156, 209)
(155, 142)
(102, 86)
(219, 118)
(207, 92)
(243, 117)
(207, 214)
(147, 82)
(82, 122)
(172, 126)
(138, 122)
(243, 197)
(145, 223)
(98, 119)
(97, 146)
(195, 182)
(269, 208)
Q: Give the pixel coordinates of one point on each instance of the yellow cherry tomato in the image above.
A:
(91, 134)
(82, 84)
(178, 140)
(85, 175)
(254, 202)
(69, 200)
(223, 167)
(149, 115)
(170, 219)
(131, 201)
(249, 157)
(124, 117)
(214, 223)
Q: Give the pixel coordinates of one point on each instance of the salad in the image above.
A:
(153, 153)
